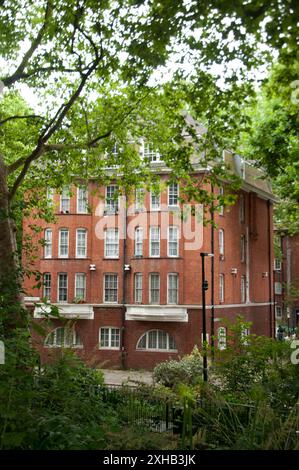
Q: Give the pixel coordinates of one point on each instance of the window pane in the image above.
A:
(139, 199)
(80, 286)
(48, 243)
(154, 241)
(104, 342)
(62, 287)
(154, 288)
(173, 192)
(156, 339)
(138, 287)
(110, 288)
(221, 288)
(63, 243)
(172, 288)
(162, 340)
(47, 286)
(81, 243)
(173, 241)
(82, 200)
(150, 152)
(111, 199)
(221, 338)
(111, 243)
(155, 201)
(60, 332)
(142, 342)
(221, 242)
(138, 241)
(65, 200)
(115, 338)
(152, 339)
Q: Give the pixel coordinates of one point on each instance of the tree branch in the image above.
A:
(28, 116)
(40, 148)
(8, 81)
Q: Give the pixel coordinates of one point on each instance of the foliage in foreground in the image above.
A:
(251, 400)
(56, 407)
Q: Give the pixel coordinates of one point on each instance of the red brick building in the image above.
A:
(137, 299)
(286, 281)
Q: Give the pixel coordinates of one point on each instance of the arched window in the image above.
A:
(154, 340)
(221, 338)
(63, 337)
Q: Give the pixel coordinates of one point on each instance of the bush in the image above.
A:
(57, 407)
(187, 370)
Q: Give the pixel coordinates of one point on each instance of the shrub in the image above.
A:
(187, 370)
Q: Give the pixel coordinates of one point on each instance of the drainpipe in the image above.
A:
(212, 279)
(124, 213)
(270, 271)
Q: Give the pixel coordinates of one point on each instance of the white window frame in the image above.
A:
(168, 289)
(278, 288)
(82, 230)
(151, 275)
(277, 264)
(169, 195)
(65, 255)
(138, 242)
(115, 150)
(58, 287)
(243, 289)
(65, 197)
(167, 337)
(118, 337)
(48, 247)
(155, 240)
(111, 204)
(177, 241)
(221, 242)
(138, 291)
(82, 200)
(47, 286)
(278, 311)
(156, 207)
(113, 242)
(104, 288)
(221, 288)
(150, 153)
(83, 276)
(75, 344)
(139, 200)
(222, 338)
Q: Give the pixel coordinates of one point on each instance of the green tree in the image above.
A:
(65, 52)
(272, 139)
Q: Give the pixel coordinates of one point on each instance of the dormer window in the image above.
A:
(150, 152)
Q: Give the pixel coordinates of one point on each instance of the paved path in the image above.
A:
(118, 377)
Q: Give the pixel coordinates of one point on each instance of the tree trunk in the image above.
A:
(10, 273)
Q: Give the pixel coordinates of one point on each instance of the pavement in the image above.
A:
(130, 377)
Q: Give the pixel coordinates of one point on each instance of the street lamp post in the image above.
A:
(204, 287)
